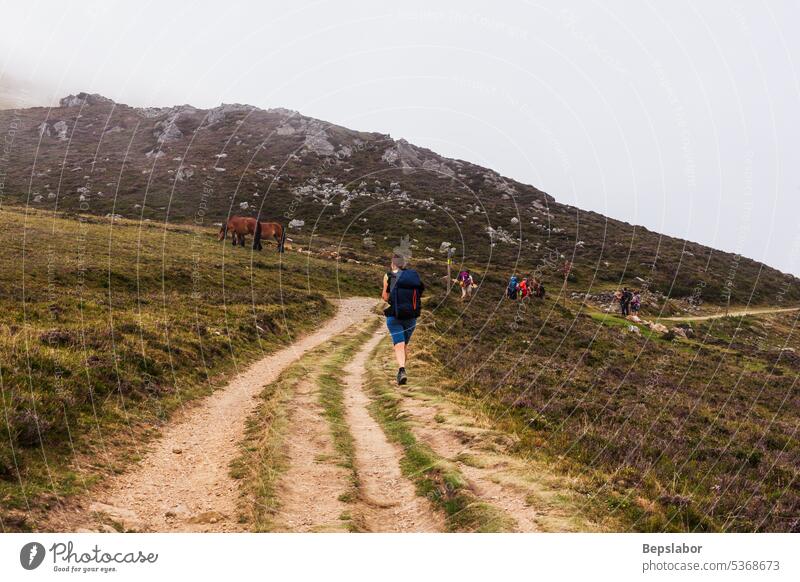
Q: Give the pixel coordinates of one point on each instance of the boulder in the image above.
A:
(679, 332)
(658, 327)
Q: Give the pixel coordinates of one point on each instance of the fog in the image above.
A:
(682, 117)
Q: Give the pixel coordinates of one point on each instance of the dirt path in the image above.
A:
(311, 489)
(737, 313)
(526, 492)
(184, 484)
(388, 500)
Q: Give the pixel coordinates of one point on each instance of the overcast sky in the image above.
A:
(683, 117)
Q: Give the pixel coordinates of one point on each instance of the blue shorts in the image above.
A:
(400, 329)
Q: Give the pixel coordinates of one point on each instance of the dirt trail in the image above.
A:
(389, 501)
(184, 484)
(737, 313)
(531, 495)
(311, 488)
(454, 442)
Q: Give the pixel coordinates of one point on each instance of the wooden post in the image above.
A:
(450, 252)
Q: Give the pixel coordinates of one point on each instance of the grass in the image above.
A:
(331, 397)
(435, 478)
(110, 328)
(688, 435)
(262, 460)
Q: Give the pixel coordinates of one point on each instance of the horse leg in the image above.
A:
(257, 236)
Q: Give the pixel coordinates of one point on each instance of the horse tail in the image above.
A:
(257, 236)
(223, 231)
(283, 238)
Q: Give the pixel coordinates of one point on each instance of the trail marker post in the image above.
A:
(450, 252)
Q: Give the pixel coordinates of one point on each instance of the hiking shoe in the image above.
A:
(401, 376)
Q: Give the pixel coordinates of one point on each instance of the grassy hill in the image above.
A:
(186, 165)
(111, 324)
(109, 327)
(696, 434)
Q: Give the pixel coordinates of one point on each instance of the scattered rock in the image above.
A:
(208, 517)
(125, 517)
(658, 327)
(184, 173)
(296, 223)
(679, 332)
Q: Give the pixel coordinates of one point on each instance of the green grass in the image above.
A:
(698, 427)
(108, 329)
(435, 478)
(331, 397)
(262, 460)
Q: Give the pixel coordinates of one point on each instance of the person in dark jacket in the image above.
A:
(402, 290)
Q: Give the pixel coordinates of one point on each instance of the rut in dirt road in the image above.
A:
(311, 490)
(184, 483)
(389, 502)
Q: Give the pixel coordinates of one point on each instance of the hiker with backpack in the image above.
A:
(402, 290)
(524, 290)
(513, 287)
(636, 302)
(625, 302)
(467, 283)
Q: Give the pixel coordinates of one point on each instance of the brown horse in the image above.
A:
(274, 230)
(240, 227)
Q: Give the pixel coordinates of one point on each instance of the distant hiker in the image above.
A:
(625, 302)
(636, 302)
(513, 287)
(541, 291)
(467, 283)
(524, 290)
(402, 290)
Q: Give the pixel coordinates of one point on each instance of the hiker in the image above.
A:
(625, 302)
(636, 302)
(467, 283)
(541, 291)
(513, 286)
(402, 290)
(524, 290)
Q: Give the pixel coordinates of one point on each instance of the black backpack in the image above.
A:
(405, 295)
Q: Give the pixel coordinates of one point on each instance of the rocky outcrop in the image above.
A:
(84, 99)
(409, 157)
(218, 114)
(58, 129)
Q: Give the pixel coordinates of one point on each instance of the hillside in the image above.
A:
(363, 190)
(552, 412)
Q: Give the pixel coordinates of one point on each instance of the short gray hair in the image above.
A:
(399, 260)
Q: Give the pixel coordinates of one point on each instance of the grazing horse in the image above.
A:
(240, 227)
(274, 230)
